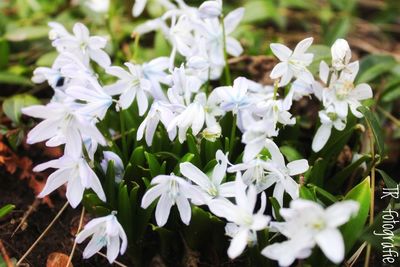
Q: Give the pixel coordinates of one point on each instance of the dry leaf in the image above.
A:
(57, 259)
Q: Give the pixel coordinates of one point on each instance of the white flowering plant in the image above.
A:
(179, 154)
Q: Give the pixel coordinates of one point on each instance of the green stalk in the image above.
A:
(136, 48)
(233, 136)
(371, 209)
(228, 78)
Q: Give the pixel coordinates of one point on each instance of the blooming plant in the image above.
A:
(177, 137)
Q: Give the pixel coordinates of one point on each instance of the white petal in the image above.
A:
(93, 246)
(238, 243)
(184, 209)
(138, 7)
(341, 212)
(74, 191)
(163, 209)
(233, 19)
(297, 167)
(323, 71)
(321, 137)
(100, 57)
(302, 46)
(113, 249)
(233, 47)
(331, 243)
(281, 51)
(194, 174)
(55, 180)
(361, 92)
(279, 70)
(151, 195)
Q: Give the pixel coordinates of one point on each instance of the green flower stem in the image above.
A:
(276, 87)
(136, 48)
(233, 136)
(228, 78)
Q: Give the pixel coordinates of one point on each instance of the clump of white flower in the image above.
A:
(307, 224)
(177, 100)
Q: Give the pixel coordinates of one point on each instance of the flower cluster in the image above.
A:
(179, 99)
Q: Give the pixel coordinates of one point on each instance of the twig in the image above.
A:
(71, 255)
(43, 234)
(4, 253)
(350, 262)
(389, 116)
(116, 262)
(34, 205)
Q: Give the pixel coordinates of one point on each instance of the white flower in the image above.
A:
(307, 224)
(130, 85)
(328, 119)
(210, 185)
(154, 72)
(183, 86)
(254, 173)
(76, 173)
(280, 174)
(343, 94)
(97, 100)
(297, 90)
(235, 98)
(341, 54)
(105, 231)
(210, 9)
(293, 63)
(81, 44)
(172, 190)
(192, 116)
(51, 75)
(212, 31)
(99, 6)
(61, 125)
(158, 112)
(242, 214)
(118, 164)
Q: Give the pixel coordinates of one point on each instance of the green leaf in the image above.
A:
(352, 230)
(186, 158)
(391, 91)
(259, 11)
(389, 182)
(153, 163)
(290, 153)
(321, 53)
(12, 106)
(306, 193)
(373, 66)
(193, 148)
(47, 59)
(109, 186)
(125, 209)
(375, 127)
(328, 197)
(4, 53)
(338, 29)
(276, 208)
(27, 33)
(203, 229)
(6, 210)
(340, 177)
(14, 79)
